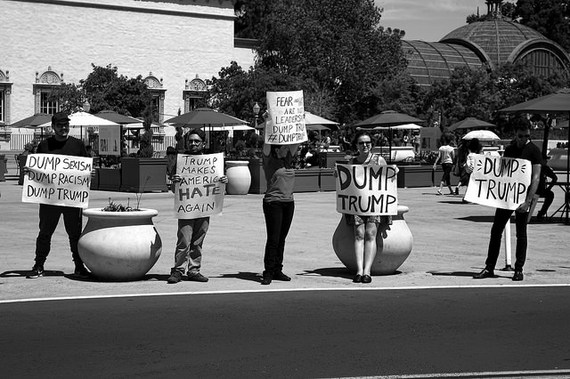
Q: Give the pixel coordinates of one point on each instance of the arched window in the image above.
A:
(43, 86)
(156, 88)
(194, 95)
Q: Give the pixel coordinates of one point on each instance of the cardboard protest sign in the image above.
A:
(286, 122)
(200, 192)
(499, 182)
(366, 190)
(58, 180)
(109, 140)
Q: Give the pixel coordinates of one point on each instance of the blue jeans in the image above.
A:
(502, 216)
(191, 235)
(278, 218)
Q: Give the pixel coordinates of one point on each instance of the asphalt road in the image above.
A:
(304, 333)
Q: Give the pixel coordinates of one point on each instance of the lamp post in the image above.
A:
(256, 109)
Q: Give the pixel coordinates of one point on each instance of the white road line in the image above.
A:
(490, 374)
(225, 292)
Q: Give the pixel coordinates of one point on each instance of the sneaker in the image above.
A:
(36, 272)
(518, 276)
(281, 276)
(175, 277)
(81, 272)
(197, 277)
(267, 278)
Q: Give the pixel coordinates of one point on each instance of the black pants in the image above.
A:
(49, 218)
(278, 218)
(548, 196)
(501, 218)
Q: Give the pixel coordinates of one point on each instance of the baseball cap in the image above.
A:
(59, 117)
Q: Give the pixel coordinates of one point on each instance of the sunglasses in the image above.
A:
(195, 141)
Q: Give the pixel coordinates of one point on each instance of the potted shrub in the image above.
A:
(119, 243)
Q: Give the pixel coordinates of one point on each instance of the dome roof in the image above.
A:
(495, 38)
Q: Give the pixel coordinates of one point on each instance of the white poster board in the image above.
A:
(58, 180)
(200, 192)
(109, 140)
(499, 182)
(286, 122)
(367, 190)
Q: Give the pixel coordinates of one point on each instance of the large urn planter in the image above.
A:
(239, 177)
(119, 246)
(394, 244)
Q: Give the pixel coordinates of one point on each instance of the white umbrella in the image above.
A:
(399, 127)
(81, 119)
(228, 128)
(482, 135)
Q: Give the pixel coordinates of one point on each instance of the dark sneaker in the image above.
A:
(518, 276)
(484, 274)
(267, 278)
(281, 276)
(36, 272)
(175, 277)
(197, 277)
(81, 272)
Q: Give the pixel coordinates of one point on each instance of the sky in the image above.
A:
(428, 20)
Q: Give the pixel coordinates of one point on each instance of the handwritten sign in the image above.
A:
(200, 192)
(499, 182)
(286, 122)
(366, 190)
(109, 140)
(58, 180)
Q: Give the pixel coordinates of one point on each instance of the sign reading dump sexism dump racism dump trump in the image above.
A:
(58, 180)
(367, 190)
(286, 122)
(499, 182)
(200, 192)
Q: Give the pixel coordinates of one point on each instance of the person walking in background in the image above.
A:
(545, 190)
(60, 143)
(466, 162)
(520, 147)
(191, 232)
(365, 227)
(446, 157)
(278, 207)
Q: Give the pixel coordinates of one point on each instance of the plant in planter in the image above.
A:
(120, 243)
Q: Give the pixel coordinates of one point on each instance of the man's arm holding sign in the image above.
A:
(531, 193)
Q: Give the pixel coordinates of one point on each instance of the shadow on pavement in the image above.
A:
(251, 276)
(477, 218)
(15, 273)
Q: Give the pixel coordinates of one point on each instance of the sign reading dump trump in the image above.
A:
(58, 180)
(499, 182)
(286, 122)
(200, 192)
(366, 190)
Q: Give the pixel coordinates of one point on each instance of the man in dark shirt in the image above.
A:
(59, 143)
(545, 190)
(521, 147)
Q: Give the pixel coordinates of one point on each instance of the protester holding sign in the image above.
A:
(278, 207)
(192, 231)
(520, 147)
(365, 227)
(60, 144)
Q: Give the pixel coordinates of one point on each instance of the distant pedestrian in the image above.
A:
(545, 190)
(465, 163)
(446, 156)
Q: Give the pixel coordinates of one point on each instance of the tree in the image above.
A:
(71, 97)
(106, 90)
(549, 17)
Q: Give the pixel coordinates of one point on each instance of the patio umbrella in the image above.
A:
(399, 127)
(117, 117)
(204, 117)
(388, 119)
(482, 135)
(471, 122)
(558, 102)
(312, 120)
(81, 119)
(32, 121)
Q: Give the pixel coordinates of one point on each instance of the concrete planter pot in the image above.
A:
(239, 177)
(119, 246)
(392, 250)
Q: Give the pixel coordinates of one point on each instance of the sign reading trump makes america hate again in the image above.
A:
(499, 182)
(367, 190)
(200, 192)
(58, 180)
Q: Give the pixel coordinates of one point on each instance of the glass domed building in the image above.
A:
(489, 43)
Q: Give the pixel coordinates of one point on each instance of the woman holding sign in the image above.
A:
(365, 227)
(278, 207)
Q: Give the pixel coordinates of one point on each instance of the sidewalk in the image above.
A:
(450, 244)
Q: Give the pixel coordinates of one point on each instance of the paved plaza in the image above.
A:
(450, 243)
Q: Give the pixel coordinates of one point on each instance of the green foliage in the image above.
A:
(549, 17)
(71, 97)
(146, 149)
(106, 90)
